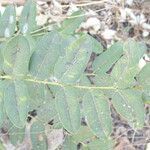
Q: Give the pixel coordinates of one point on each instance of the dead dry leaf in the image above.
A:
(55, 138)
(124, 144)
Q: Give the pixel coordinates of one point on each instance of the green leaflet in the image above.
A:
(37, 95)
(104, 81)
(102, 144)
(2, 146)
(128, 104)
(74, 46)
(70, 25)
(16, 135)
(32, 43)
(96, 45)
(97, 112)
(70, 67)
(144, 77)
(8, 22)
(66, 60)
(69, 144)
(144, 80)
(45, 56)
(75, 68)
(126, 68)
(133, 51)
(146, 97)
(27, 22)
(68, 108)
(42, 100)
(38, 137)
(16, 102)
(14, 52)
(1, 59)
(84, 81)
(46, 110)
(83, 134)
(106, 60)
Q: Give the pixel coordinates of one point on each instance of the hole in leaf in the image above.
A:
(51, 122)
(33, 113)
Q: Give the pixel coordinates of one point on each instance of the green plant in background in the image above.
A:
(44, 72)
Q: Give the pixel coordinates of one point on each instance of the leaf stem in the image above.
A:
(62, 84)
(71, 85)
(6, 77)
(40, 29)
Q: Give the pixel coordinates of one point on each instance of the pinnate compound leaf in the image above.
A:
(27, 22)
(97, 112)
(8, 22)
(16, 102)
(62, 57)
(128, 104)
